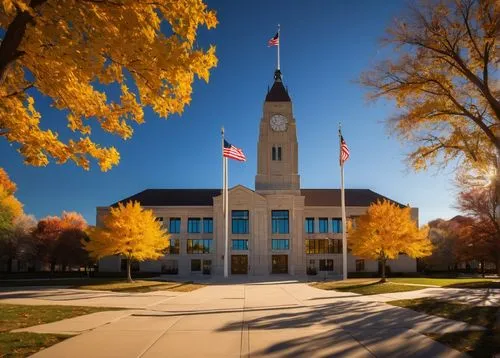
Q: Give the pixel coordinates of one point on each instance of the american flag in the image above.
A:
(275, 41)
(344, 150)
(230, 151)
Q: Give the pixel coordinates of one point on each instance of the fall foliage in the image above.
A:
(130, 231)
(76, 52)
(444, 79)
(10, 207)
(385, 231)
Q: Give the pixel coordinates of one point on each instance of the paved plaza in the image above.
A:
(275, 319)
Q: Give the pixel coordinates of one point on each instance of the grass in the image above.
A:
(448, 282)
(141, 286)
(475, 343)
(23, 344)
(108, 284)
(365, 287)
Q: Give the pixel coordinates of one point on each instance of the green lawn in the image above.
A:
(108, 284)
(448, 282)
(140, 286)
(475, 343)
(371, 287)
(23, 344)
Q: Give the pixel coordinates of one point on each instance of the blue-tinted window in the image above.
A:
(337, 225)
(199, 246)
(280, 221)
(208, 225)
(194, 225)
(174, 226)
(323, 225)
(309, 225)
(240, 221)
(280, 244)
(239, 245)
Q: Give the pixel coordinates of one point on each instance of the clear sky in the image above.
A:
(325, 45)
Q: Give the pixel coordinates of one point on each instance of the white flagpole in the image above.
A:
(226, 220)
(342, 203)
(224, 200)
(279, 41)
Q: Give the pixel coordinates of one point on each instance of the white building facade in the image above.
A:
(278, 228)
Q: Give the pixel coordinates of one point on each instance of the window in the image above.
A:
(175, 225)
(323, 246)
(279, 244)
(170, 267)
(309, 225)
(208, 225)
(174, 247)
(276, 152)
(280, 221)
(195, 265)
(199, 246)
(240, 221)
(323, 225)
(326, 265)
(239, 245)
(194, 225)
(360, 265)
(337, 225)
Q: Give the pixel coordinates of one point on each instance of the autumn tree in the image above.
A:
(443, 76)
(480, 239)
(79, 54)
(17, 241)
(385, 231)
(130, 231)
(443, 236)
(59, 240)
(10, 207)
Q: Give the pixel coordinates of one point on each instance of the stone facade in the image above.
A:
(265, 247)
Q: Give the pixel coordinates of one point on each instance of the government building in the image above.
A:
(276, 228)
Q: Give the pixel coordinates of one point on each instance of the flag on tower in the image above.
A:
(275, 41)
(344, 150)
(230, 151)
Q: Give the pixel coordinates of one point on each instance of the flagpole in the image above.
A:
(279, 40)
(224, 168)
(342, 203)
(226, 226)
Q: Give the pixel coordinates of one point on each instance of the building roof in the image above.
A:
(204, 197)
(278, 92)
(353, 197)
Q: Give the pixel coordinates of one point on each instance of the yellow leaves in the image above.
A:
(130, 231)
(10, 207)
(82, 55)
(387, 230)
(8, 185)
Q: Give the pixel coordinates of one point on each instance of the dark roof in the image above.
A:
(331, 197)
(278, 92)
(204, 197)
(174, 197)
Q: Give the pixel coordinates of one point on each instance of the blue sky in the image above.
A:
(325, 45)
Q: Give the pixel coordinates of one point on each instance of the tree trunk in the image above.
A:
(383, 279)
(129, 276)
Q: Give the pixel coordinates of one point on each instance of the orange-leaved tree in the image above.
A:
(99, 62)
(385, 231)
(130, 231)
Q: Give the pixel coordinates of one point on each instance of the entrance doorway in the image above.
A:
(239, 264)
(280, 264)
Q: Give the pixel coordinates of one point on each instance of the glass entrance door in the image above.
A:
(239, 264)
(280, 264)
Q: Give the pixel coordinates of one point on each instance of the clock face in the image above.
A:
(279, 123)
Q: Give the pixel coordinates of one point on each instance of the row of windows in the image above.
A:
(324, 246)
(324, 264)
(194, 225)
(202, 246)
(323, 225)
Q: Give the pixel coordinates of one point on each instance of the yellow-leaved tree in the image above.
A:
(130, 231)
(10, 207)
(98, 61)
(385, 231)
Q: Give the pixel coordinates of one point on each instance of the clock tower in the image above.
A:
(277, 153)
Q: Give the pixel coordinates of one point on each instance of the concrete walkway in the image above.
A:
(253, 319)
